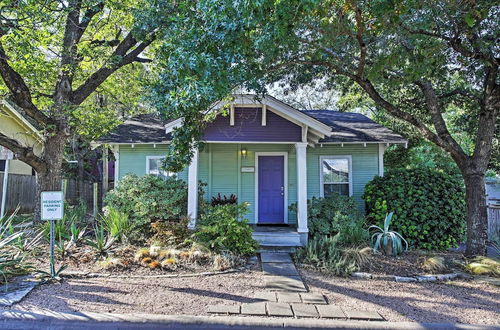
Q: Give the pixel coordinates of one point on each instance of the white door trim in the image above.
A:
(285, 181)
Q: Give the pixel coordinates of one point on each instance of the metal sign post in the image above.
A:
(52, 210)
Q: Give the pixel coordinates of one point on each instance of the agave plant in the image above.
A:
(388, 241)
(10, 265)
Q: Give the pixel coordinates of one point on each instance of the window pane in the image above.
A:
(155, 165)
(341, 189)
(335, 170)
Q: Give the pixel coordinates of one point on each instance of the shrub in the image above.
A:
(219, 200)
(429, 206)
(326, 254)
(171, 233)
(328, 215)
(223, 228)
(149, 198)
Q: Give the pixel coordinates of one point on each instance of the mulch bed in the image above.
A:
(408, 264)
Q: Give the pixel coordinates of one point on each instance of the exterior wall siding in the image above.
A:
(248, 127)
(220, 168)
(364, 167)
(133, 160)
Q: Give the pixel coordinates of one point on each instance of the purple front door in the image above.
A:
(271, 189)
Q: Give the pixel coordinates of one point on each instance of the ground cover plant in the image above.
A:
(428, 206)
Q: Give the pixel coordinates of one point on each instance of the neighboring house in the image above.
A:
(15, 125)
(268, 154)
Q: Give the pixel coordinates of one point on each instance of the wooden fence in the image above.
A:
(22, 192)
(493, 221)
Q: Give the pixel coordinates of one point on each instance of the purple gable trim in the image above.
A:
(248, 127)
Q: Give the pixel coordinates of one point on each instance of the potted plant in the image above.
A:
(387, 241)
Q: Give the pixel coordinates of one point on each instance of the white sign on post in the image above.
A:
(52, 205)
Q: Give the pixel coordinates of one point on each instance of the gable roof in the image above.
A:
(146, 128)
(313, 129)
(349, 127)
(322, 126)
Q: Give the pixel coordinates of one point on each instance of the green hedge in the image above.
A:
(428, 206)
(149, 198)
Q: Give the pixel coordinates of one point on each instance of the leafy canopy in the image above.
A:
(394, 50)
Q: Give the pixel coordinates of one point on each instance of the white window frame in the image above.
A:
(148, 158)
(321, 183)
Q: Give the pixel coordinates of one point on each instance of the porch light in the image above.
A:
(244, 152)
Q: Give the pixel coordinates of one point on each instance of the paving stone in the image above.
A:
(224, 309)
(275, 268)
(265, 296)
(275, 257)
(254, 309)
(363, 315)
(304, 310)
(17, 290)
(313, 298)
(330, 312)
(279, 309)
(285, 283)
(288, 297)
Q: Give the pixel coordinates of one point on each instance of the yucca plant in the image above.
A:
(10, 264)
(102, 242)
(387, 241)
(117, 224)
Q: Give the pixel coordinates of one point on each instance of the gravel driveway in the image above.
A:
(456, 302)
(463, 302)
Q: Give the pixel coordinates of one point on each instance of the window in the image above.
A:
(335, 175)
(154, 166)
(2, 165)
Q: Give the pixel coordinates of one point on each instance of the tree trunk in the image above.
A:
(50, 179)
(477, 214)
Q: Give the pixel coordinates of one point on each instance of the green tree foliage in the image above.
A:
(72, 67)
(417, 60)
(428, 206)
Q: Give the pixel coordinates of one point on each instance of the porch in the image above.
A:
(269, 177)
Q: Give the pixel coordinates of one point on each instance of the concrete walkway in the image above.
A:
(287, 296)
(43, 320)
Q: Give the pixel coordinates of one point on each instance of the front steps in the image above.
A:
(279, 239)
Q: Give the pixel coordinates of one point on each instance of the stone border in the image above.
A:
(416, 278)
(49, 320)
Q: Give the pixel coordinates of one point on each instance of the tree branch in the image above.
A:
(20, 91)
(490, 110)
(361, 42)
(23, 153)
(432, 102)
(98, 77)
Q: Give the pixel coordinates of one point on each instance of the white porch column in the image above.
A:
(301, 151)
(193, 190)
(381, 150)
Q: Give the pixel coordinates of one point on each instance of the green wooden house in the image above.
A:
(268, 154)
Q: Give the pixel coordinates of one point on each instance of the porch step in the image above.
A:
(269, 239)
